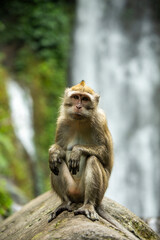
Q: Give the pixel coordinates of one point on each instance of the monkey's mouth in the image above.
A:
(77, 116)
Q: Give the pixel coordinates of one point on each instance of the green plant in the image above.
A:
(5, 200)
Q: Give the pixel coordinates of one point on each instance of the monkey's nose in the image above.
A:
(78, 106)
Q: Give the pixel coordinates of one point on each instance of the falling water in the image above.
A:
(21, 112)
(121, 63)
(21, 106)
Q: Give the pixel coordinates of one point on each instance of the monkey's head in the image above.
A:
(80, 101)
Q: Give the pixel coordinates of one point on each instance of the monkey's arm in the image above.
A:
(56, 156)
(103, 153)
(103, 150)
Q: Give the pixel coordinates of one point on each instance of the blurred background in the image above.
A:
(46, 45)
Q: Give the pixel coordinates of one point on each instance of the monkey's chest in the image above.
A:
(77, 140)
(82, 165)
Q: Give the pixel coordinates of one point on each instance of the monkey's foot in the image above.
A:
(88, 210)
(65, 206)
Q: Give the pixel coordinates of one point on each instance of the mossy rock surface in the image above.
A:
(31, 223)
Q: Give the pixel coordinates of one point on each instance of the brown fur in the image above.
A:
(82, 87)
(81, 159)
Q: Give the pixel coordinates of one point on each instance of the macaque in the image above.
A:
(81, 159)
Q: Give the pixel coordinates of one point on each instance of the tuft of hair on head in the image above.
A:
(82, 87)
(82, 83)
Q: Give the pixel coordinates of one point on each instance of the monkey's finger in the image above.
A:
(74, 171)
(70, 167)
(93, 216)
(59, 160)
(51, 165)
(51, 158)
(77, 166)
(52, 216)
(74, 163)
(88, 214)
(55, 164)
(55, 171)
(69, 162)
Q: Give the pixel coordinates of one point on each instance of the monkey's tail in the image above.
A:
(107, 217)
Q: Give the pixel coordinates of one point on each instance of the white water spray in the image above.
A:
(21, 106)
(125, 72)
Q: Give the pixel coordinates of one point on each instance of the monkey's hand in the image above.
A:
(56, 155)
(74, 160)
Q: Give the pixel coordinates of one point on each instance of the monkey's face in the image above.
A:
(79, 105)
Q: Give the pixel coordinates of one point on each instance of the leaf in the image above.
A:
(6, 142)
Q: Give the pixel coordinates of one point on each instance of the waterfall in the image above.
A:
(20, 102)
(21, 106)
(119, 60)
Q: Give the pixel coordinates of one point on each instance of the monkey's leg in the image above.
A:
(95, 184)
(65, 206)
(62, 184)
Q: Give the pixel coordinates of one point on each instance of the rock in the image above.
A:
(31, 223)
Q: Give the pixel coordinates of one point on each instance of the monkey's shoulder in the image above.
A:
(101, 114)
(103, 125)
(101, 119)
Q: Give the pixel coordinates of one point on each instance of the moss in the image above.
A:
(5, 201)
(142, 230)
(37, 236)
(59, 223)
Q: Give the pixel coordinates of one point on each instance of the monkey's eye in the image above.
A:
(85, 99)
(75, 96)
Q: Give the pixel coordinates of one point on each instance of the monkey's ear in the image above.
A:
(66, 91)
(97, 97)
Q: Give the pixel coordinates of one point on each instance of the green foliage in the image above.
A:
(6, 149)
(6, 146)
(35, 40)
(5, 201)
(46, 81)
(12, 162)
(42, 25)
